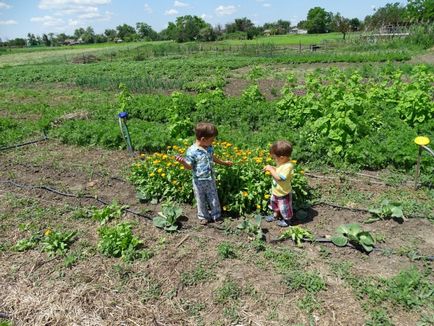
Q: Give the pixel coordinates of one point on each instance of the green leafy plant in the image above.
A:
(57, 243)
(108, 213)
(167, 219)
(353, 233)
(119, 241)
(252, 228)
(27, 244)
(297, 234)
(387, 210)
(226, 250)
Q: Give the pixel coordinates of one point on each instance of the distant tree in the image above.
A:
(341, 24)
(146, 32)
(62, 37)
(318, 20)
(239, 25)
(420, 10)
(88, 36)
(79, 32)
(17, 42)
(277, 28)
(100, 38)
(207, 34)
(302, 24)
(111, 34)
(390, 14)
(355, 24)
(188, 28)
(126, 32)
(46, 40)
(168, 33)
(31, 39)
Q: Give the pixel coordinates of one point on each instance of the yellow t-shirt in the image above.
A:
(283, 187)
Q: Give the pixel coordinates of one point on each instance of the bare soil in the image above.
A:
(96, 290)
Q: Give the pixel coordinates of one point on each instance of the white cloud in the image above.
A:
(225, 10)
(76, 10)
(205, 16)
(60, 4)
(266, 5)
(4, 5)
(48, 21)
(171, 12)
(148, 9)
(180, 4)
(8, 22)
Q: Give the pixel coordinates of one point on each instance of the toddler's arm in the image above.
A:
(273, 172)
(182, 160)
(219, 161)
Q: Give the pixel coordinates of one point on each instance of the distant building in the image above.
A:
(296, 30)
(71, 41)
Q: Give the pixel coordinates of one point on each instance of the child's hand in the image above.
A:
(268, 168)
(180, 159)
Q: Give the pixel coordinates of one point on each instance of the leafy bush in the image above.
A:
(243, 188)
(119, 241)
(55, 242)
(168, 217)
(387, 210)
(297, 234)
(107, 213)
(355, 235)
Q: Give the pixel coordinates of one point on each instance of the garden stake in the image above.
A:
(422, 141)
(124, 130)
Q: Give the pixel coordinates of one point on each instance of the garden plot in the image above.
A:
(210, 275)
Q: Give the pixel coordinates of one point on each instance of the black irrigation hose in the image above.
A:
(69, 195)
(325, 240)
(45, 138)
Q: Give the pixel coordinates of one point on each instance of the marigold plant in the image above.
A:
(243, 187)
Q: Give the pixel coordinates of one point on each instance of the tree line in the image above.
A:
(192, 28)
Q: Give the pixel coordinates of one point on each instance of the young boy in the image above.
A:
(200, 159)
(281, 197)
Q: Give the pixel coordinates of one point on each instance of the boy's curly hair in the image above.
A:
(205, 130)
(281, 148)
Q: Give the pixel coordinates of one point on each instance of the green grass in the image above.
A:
(292, 39)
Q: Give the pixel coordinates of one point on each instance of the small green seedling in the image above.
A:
(353, 233)
(253, 229)
(387, 210)
(108, 213)
(57, 243)
(167, 219)
(297, 234)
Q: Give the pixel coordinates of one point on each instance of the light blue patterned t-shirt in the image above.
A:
(201, 161)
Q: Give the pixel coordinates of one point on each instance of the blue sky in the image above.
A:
(19, 17)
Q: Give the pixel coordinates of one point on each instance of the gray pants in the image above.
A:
(208, 204)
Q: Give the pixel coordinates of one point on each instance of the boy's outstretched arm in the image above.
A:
(182, 160)
(219, 161)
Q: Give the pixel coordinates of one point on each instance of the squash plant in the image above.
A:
(167, 219)
(297, 234)
(387, 210)
(353, 233)
(253, 229)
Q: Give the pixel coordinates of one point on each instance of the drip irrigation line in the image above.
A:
(45, 138)
(69, 195)
(341, 207)
(326, 240)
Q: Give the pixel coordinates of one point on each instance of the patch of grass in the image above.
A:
(226, 250)
(151, 291)
(198, 275)
(310, 281)
(284, 259)
(378, 317)
(410, 288)
(192, 307)
(309, 303)
(229, 291)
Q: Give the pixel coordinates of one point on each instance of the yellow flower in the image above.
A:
(225, 208)
(156, 161)
(245, 193)
(151, 174)
(168, 164)
(267, 173)
(142, 155)
(422, 140)
(258, 206)
(169, 147)
(301, 171)
(160, 170)
(293, 161)
(182, 167)
(47, 232)
(266, 196)
(163, 174)
(165, 156)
